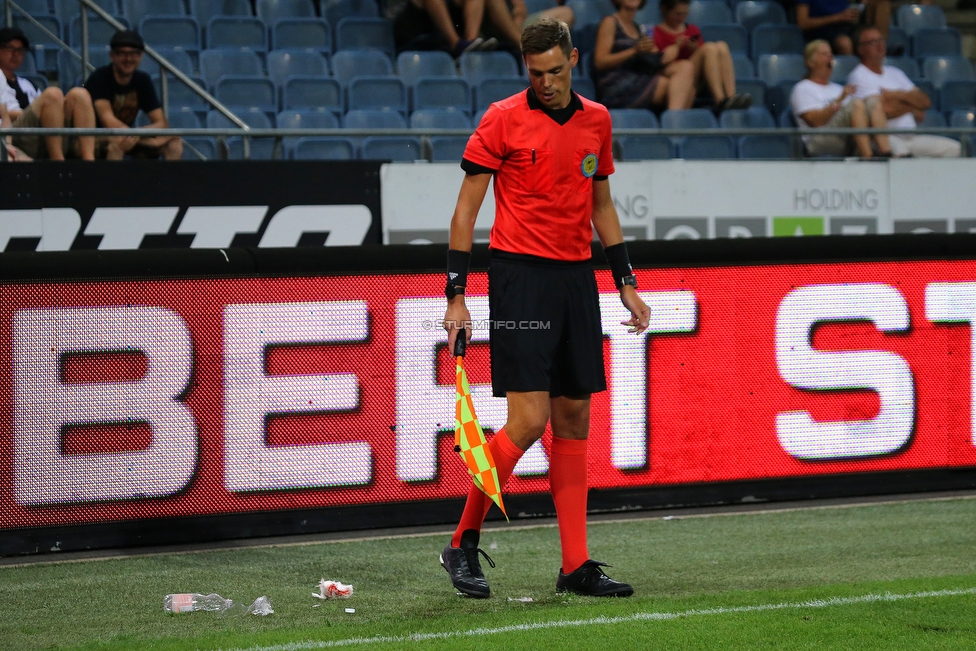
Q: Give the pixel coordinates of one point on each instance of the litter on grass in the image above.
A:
(261, 606)
(332, 590)
(524, 600)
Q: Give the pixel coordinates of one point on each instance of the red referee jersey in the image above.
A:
(543, 174)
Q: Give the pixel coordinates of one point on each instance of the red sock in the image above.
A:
(567, 482)
(506, 454)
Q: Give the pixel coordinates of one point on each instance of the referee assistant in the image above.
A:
(549, 151)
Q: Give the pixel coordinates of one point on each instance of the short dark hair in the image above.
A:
(546, 34)
(668, 5)
(8, 34)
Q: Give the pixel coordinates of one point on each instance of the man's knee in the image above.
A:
(78, 95)
(173, 150)
(50, 96)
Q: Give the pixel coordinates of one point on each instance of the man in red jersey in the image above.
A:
(549, 151)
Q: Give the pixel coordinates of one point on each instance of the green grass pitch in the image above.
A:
(883, 576)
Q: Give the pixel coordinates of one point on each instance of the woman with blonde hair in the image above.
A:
(818, 102)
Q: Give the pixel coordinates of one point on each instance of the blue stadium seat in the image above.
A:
(908, 65)
(393, 148)
(271, 10)
(184, 117)
(584, 87)
(335, 10)
(645, 148)
(589, 12)
(624, 118)
(928, 88)
(412, 65)
(40, 81)
(99, 31)
(45, 48)
(735, 36)
(913, 17)
(442, 93)
(776, 39)
(743, 66)
(962, 118)
(939, 70)
(933, 118)
(69, 67)
(347, 64)
(172, 31)
(217, 63)
(787, 120)
(302, 33)
(535, 6)
(476, 66)
(698, 118)
(936, 41)
(136, 10)
(706, 147)
(247, 90)
(261, 148)
(386, 92)
(843, 64)
(204, 144)
(756, 89)
(956, 95)
(288, 63)
(584, 37)
(649, 15)
(774, 68)
(28, 66)
(237, 32)
(312, 93)
(179, 57)
(204, 10)
(755, 117)
(356, 33)
(36, 7)
(493, 89)
(778, 96)
(439, 119)
(324, 148)
(180, 95)
(709, 12)
(898, 40)
(306, 119)
(250, 115)
(444, 149)
(65, 10)
(371, 119)
(752, 13)
(765, 147)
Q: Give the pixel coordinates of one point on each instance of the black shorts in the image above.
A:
(546, 332)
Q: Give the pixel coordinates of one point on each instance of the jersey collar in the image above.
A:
(561, 116)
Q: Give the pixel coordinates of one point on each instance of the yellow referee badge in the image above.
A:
(589, 165)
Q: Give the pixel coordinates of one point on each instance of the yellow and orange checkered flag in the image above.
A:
(469, 438)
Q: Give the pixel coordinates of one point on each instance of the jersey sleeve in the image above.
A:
(605, 167)
(486, 146)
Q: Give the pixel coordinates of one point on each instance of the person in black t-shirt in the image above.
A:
(119, 91)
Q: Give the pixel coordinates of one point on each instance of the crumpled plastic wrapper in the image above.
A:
(261, 606)
(332, 590)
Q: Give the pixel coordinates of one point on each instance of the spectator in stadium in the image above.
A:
(631, 72)
(835, 20)
(439, 25)
(712, 60)
(818, 102)
(51, 108)
(119, 90)
(505, 20)
(904, 104)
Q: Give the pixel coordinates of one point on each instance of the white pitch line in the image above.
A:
(603, 621)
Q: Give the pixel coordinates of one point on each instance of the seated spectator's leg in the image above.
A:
(474, 12)
(728, 67)
(659, 92)
(681, 89)
(173, 149)
(500, 15)
(899, 146)
(877, 120)
(440, 15)
(114, 148)
(562, 13)
(79, 113)
(707, 63)
(877, 13)
(933, 146)
(859, 120)
(49, 107)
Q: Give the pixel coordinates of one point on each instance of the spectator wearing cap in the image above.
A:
(51, 108)
(119, 91)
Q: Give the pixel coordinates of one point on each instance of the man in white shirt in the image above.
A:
(904, 103)
(51, 108)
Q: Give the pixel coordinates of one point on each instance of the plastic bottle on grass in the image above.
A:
(190, 602)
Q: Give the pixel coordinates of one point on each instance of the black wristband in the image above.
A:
(619, 263)
(457, 267)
